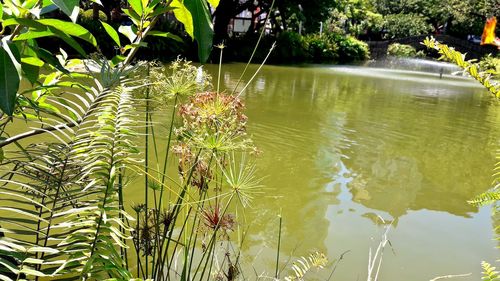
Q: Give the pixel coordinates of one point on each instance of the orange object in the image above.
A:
(488, 37)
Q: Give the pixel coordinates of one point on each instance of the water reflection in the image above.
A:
(343, 146)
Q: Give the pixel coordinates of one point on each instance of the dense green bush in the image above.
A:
(404, 25)
(291, 48)
(351, 49)
(402, 50)
(491, 65)
(294, 48)
(321, 49)
(88, 15)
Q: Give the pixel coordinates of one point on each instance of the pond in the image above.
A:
(344, 146)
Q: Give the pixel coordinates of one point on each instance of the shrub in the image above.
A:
(321, 49)
(351, 49)
(88, 15)
(491, 65)
(291, 48)
(294, 48)
(404, 25)
(402, 50)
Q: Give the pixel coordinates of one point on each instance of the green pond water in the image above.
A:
(343, 145)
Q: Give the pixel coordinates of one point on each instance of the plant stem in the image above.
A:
(146, 160)
(276, 274)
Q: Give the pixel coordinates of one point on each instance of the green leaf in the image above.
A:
(117, 59)
(69, 40)
(136, 19)
(9, 83)
(70, 28)
(131, 46)
(112, 33)
(127, 31)
(32, 61)
(31, 71)
(33, 34)
(136, 5)
(214, 3)
(161, 10)
(165, 34)
(203, 28)
(49, 58)
(69, 7)
(183, 15)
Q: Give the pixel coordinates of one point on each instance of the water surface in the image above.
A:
(342, 146)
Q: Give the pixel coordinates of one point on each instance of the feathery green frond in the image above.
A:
(473, 69)
(303, 265)
(65, 194)
(489, 273)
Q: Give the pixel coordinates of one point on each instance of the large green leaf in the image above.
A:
(136, 5)
(165, 34)
(69, 7)
(112, 33)
(9, 82)
(70, 28)
(183, 15)
(203, 28)
(69, 40)
(33, 34)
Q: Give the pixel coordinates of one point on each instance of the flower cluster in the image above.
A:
(211, 123)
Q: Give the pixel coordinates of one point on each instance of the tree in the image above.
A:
(310, 12)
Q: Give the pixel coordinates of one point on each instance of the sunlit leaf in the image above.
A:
(69, 7)
(214, 3)
(136, 5)
(112, 33)
(203, 28)
(72, 29)
(183, 15)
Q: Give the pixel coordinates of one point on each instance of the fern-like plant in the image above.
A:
(472, 68)
(65, 193)
(303, 265)
(489, 273)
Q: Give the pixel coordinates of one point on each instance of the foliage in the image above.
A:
(62, 198)
(321, 49)
(491, 65)
(404, 25)
(469, 67)
(291, 48)
(303, 265)
(299, 49)
(351, 49)
(456, 17)
(88, 15)
(402, 50)
(354, 17)
(489, 273)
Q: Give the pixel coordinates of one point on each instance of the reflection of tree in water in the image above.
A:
(398, 152)
(429, 156)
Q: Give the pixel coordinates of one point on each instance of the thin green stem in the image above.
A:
(276, 274)
(146, 167)
(220, 68)
(164, 171)
(255, 48)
